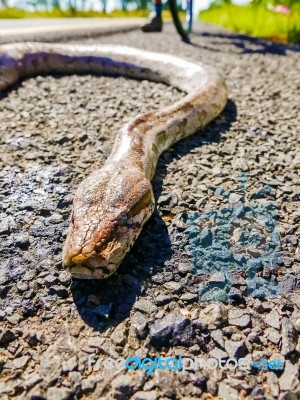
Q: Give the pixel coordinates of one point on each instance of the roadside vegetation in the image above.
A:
(278, 22)
(72, 8)
(12, 12)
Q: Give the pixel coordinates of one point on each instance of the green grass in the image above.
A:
(256, 21)
(70, 13)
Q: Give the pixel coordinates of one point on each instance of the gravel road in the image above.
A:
(54, 132)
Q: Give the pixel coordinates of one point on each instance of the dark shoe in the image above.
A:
(154, 24)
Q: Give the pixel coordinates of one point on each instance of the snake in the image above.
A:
(112, 204)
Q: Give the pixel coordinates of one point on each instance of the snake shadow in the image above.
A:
(106, 303)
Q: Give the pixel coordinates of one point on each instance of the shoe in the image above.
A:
(154, 24)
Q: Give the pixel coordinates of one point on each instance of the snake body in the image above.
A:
(111, 205)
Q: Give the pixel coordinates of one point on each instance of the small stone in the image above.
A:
(267, 307)
(119, 335)
(184, 268)
(69, 365)
(214, 315)
(175, 287)
(14, 319)
(7, 225)
(122, 387)
(297, 325)
(169, 199)
(59, 291)
(64, 278)
(32, 379)
(212, 386)
(50, 365)
(163, 299)
(172, 329)
(22, 241)
(50, 279)
(217, 277)
(75, 378)
(235, 349)
(289, 336)
(20, 362)
(226, 392)
(88, 384)
(145, 306)
(218, 353)
(95, 342)
(273, 319)
(151, 395)
(55, 393)
(272, 335)
(189, 297)
(239, 318)
(217, 336)
(289, 379)
(22, 286)
(6, 336)
(273, 383)
(139, 321)
(289, 283)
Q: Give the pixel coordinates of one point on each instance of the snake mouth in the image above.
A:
(106, 255)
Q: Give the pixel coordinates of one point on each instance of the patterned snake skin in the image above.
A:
(112, 204)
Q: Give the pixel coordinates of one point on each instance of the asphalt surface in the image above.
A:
(183, 290)
(54, 28)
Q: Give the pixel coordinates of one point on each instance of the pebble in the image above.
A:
(69, 365)
(289, 336)
(226, 392)
(88, 384)
(171, 329)
(289, 378)
(272, 335)
(20, 362)
(272, 319)
(58, 393)
(214, 315)
(6, 336)
(184, 268)
(217, 336)
(122, 387)
(145, 306)
(151, 395)
(235, 349)
(238, 318)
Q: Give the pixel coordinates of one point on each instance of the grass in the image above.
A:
(16, 13)
(256, 21)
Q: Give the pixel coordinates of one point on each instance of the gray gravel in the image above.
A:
(54, 131)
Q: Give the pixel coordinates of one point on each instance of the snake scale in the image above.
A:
(111, 205)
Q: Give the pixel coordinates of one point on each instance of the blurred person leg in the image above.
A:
(155, 22)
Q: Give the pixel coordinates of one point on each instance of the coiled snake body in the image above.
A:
(111, 205)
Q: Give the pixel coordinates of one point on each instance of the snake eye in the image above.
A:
(122, 219)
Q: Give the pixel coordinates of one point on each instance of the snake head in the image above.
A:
(110, 208)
